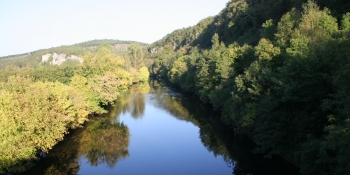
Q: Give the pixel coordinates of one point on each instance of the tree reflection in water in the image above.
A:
(134, 102)
(105, 143)
(101, 142)
(218, 139)
(106, 140)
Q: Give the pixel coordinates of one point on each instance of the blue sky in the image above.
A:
(37, 24)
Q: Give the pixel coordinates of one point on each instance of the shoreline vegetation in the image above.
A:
(277, 70)
(39, 105)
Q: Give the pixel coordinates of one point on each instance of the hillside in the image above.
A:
(277, 70)
(242, 21)
(32, 59)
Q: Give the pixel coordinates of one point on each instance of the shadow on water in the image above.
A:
(100, 142)
(105, 140)
(218, 139)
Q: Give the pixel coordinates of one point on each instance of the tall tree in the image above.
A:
(136, 53)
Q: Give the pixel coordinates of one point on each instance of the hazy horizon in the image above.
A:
(32, 25)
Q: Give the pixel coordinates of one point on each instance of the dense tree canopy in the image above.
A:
(277, 70)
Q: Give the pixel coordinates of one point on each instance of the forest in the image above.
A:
(277, 71)
(41, 103)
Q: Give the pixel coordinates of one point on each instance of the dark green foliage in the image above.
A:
(183, 38)
(278, 71)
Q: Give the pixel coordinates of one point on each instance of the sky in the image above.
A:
(29, 25)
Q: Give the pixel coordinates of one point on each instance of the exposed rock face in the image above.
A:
(156, 50)
(59, 59)
(45, 58)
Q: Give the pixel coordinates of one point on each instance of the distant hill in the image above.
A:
(32, 59)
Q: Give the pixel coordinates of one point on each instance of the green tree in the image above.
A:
(136, 52)
(285, 27)
(345, 23)
(265, 50)
(269, 29)
(36, 119)
(143, 74)
(178, 69)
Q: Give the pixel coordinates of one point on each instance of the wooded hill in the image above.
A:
(33, 59)
(277, 70)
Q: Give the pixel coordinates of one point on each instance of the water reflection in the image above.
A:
(105, 143)
(100, 142)
(219, 140)
(236, 151)
(133, 103)
(170, 100)
(106, 140)
(163, 97)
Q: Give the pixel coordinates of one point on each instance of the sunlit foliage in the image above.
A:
(38, 106)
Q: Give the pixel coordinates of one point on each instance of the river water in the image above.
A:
(155, 130)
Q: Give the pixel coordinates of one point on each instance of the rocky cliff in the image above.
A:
(58, 59)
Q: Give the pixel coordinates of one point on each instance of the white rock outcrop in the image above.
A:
(58, 59)
(45, 58)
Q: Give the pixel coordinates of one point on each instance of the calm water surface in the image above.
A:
(155, 130)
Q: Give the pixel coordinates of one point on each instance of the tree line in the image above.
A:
(278, 75)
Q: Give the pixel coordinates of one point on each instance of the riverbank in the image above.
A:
(37, 110)
(167, 130)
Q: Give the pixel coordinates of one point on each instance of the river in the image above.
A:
(155, 130)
